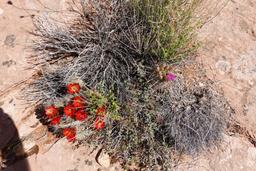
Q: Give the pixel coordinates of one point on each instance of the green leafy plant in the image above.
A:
(173, 26)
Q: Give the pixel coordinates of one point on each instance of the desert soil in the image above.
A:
(228, 54)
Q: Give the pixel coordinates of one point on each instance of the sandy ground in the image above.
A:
(228, 53)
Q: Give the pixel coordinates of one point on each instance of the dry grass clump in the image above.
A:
(48, 86)
(193, 118)
(105, 45)
(116, 46)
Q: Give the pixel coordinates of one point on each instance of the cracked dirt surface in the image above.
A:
(228, 53)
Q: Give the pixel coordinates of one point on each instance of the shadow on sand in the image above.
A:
(12, 155)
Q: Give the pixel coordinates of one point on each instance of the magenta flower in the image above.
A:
(170, 77)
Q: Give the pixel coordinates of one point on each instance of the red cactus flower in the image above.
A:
(81, 115)
(70, 134)
(51, 111)
(71, 138)
(99, 124)
(78, 102)
(56, 120)
(101, 111)
(68, 131)
(73, 88)
(69, 110)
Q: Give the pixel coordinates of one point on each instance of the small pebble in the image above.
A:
(88, 162)
(9, 40)
(223, 67)
(11, 101)
(1, 11)
(9, 63)
(251, 82)
(9, 3)
(104, 160)
(201, 84)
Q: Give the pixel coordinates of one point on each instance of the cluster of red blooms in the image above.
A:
(75, 110)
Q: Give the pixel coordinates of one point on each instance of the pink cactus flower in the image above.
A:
(170, 77)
